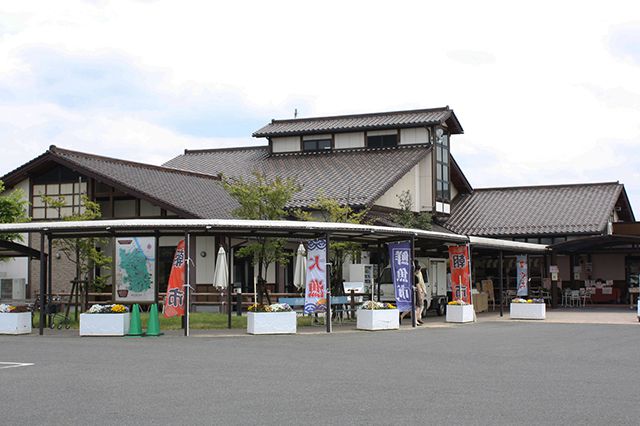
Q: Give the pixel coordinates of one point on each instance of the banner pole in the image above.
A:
(187, 289)
(413, 287)
(328, 282)
(229, 301)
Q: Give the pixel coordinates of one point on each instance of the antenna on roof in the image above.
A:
(295, 113)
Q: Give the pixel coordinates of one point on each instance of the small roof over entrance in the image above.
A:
(13, 249)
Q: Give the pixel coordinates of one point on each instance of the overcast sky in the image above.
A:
(547, 92)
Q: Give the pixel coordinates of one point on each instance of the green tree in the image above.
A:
(85, 253)
(13, 209)
(261, 198)
(330, 210)
(407, 218)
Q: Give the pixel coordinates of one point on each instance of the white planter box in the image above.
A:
(16, 323)
(271, 323)
(378, 319)
(460, 313)
(537, 311)
(104, 324)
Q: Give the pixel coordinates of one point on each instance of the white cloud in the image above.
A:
(546, 91)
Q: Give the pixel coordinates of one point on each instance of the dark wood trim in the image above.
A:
(333, 141)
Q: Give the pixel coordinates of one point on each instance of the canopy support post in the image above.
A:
(43, 284)
(501, 287)
(229, 301)
(328, 281)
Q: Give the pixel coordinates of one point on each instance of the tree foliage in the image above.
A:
(407, 218)
(13, 209)
(83, 252)
(261, 198)
(332, 211)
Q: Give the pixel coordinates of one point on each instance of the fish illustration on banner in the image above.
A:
(401, 273)
(460, 273)
(522, 275)
(315, 293)
(174, 302)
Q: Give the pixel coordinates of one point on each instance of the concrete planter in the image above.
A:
(460, 313)
(104, 324)
(535, 311)
(15, 323)
(378, 319)
(271, 323)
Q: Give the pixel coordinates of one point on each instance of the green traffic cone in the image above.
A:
(135, 325)
(153, 325)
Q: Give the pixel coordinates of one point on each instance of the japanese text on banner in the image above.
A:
(460, 273)
(174, 300)
(523, 275)
(315, 299)
(401, 272)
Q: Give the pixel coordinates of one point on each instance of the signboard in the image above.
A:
(460, 273)
(554, 268)
(401, 273)
(315, 293)
(522, 275)
(135, 266)
(174, 301)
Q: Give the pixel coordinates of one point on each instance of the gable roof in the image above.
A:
(360, 122)
(189, 194)
(536, 210)
(356, 176)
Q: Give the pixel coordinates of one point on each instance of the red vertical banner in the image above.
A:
(174, 300)
(460, 273)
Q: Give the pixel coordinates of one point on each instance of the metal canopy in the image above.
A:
(623, 243)
(13, 249)
(251, 228)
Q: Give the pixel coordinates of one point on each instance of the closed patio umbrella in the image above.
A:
(299, 273)
(221, 274)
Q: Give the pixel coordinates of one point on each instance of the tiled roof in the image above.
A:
(358, 176)
(535, 210)
(360, 122)
(190, 194)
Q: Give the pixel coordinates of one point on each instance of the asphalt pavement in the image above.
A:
(484, 373)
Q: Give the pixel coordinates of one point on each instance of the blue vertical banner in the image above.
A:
(400, 256)
(522, 278)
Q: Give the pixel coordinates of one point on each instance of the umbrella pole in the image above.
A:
(229, 282)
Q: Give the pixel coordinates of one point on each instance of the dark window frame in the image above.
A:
(313, 145)
(383, 141)
(443, 166)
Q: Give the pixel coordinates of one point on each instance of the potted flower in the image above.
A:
(277, 318)
(15, 319)
(374, 315)
(105, 320)
(528, 309)
(459, 311)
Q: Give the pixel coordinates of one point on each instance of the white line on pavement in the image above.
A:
(14, 364)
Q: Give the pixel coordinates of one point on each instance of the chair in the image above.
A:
(546, 296)
(487, 287)
(566, 296)
(585, 295)
(507, 296)
(574, 298)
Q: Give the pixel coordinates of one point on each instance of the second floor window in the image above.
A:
(442, 166)
(316, 145)
(382, 141)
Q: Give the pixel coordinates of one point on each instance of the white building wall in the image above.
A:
(406, 183)
(414, 135)
(17, 267)
(287, 144)
(426, 184)
(349, 140)
(206, 264)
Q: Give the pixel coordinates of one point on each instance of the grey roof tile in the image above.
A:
(358, 176)
(359, 122)
(192, 194)
(535, 210)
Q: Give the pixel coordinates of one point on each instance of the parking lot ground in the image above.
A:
(489, 372)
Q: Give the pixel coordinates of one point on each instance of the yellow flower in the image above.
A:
(118, 309)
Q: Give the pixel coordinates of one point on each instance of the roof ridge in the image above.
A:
(368, 114)
(58, 151)
(559, 185)
(233, 148)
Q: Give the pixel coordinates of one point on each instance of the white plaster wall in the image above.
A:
(287, 144)
(316, 137)
(453, 189)
(17, 267)
(406, 183)
(205, 265)
(414, 135)
(608, 266)
(382, 132)
(349, 140)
